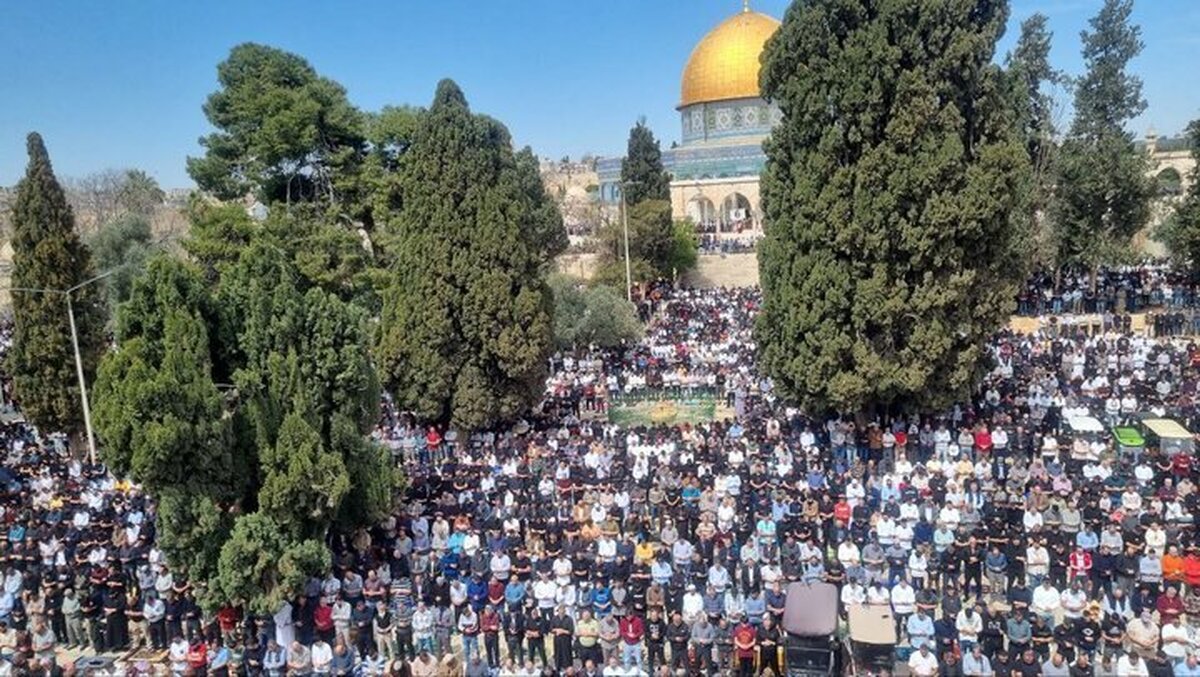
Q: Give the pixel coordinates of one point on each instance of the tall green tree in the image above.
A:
(1103, 194)
(49, 256)
(893, 237)
(139, 194)
(1032, 81)
(466, 324)
(1181, 231)
(283, 132)
(241, 397)
(642, 174)
(546, 221)
(157, 407)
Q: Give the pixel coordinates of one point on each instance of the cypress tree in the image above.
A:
(642, 170)
(1030, 76)
(48, 255)
(466, 322)
(1103, 195)
(891, 196)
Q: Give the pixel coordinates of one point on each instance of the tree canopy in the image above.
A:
(121, 247)
(1103, 194)
(48, 259)
(595, 315)
(242, 386)
(1032, 80)
(283, 132)
(466, 324)
(892, 189)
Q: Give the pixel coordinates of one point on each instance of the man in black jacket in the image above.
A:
(656, 636)
(678, 634)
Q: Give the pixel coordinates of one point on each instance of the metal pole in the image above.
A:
(83, 396)
(628, 268)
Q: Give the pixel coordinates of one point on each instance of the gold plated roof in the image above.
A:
(724, 65)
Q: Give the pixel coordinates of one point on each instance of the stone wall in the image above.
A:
(730, 270)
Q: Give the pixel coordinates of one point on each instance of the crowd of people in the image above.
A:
(999, 540)
(723, 244)
(1149, 286)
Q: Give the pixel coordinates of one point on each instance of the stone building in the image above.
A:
(715, 169)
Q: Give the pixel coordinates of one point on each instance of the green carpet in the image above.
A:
(650, 412)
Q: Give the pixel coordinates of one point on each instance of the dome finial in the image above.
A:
(745, 5)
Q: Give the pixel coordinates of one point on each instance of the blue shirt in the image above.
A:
(920, 631)
(660, 572)
(477, 593)
(922, 533)
(755, 608)
(514, 593)
(1182, 669)
(601, 601)
(1087, 540)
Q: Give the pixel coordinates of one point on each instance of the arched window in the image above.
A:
(703, 213)
(736, 214)
(1169, 181)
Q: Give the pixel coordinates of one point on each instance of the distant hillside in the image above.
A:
(167, 223)
(573, 186)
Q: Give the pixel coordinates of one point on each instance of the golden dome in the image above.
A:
(724, 65)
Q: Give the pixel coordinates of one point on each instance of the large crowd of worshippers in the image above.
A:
(1001, 543)
(1150, 286)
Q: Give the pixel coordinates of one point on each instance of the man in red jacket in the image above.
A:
(744, 646)
(632, 630)
(489, 625)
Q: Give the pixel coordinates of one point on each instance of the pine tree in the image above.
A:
(1103, 195)
(466, 323)
(892, 248)
(49, 256)
(284, 132)
(642, 174)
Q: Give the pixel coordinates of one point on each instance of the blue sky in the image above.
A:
(120, 83)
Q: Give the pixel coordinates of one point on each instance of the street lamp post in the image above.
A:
(83, 396)
(625, 226)
(628, 265)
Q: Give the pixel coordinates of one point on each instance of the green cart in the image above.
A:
(1130, 442)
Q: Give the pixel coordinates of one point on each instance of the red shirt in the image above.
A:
(983, 440)
(632, 629)
(743, 640)
(496, 593)
(227, 618)
(323, 617)
(841, 511)
(1191, 569)
(489, 622)
(197, 656)
(1081, 561)
(1181, 465)
(1169, 608)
